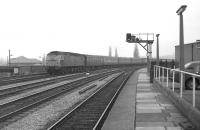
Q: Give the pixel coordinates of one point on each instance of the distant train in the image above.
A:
(66, 62)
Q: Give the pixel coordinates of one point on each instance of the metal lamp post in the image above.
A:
(157, 57)
(181, 44)
(181, 36)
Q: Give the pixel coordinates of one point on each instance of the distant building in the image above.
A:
(23, 61)
(191, 52)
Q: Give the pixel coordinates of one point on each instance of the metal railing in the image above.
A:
(161, 77)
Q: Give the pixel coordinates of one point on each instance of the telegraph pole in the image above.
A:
(9, 57)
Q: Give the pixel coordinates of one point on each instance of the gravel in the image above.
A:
(46, 115)
(34, 91)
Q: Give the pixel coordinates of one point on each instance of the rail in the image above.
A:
(160, 76)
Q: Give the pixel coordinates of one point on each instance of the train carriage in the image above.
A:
(94, 60)
(125, 60)
(110, 60)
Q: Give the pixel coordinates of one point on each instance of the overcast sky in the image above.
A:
(35, 27)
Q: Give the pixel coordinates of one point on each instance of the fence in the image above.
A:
(169, 63)
(160, 72)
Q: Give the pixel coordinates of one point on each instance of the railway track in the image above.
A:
(26, 86)
(10, 91)
(24, 78)
(17, 79)
(18, 76)
(13, 108)
(91, 113)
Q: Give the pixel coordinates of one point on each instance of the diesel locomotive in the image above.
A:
(58, 62)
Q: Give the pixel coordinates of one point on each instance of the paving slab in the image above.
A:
(148, 105)
(150, 117)
(174, 128)
(142, 84)
(155, 124)
(166, 105)
(148, 110)
(146, 101)
(176, 119)
(147, 90)
(150, 128)
(159, 113)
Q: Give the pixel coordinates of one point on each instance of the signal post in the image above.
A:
(146, 44)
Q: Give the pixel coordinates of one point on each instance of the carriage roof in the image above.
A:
(64, 53)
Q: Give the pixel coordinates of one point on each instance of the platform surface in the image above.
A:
(122, 114)
(140, 106)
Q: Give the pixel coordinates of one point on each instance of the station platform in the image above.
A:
(140, 106)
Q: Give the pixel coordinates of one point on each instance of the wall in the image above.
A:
(24, 70)
(191, 53)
